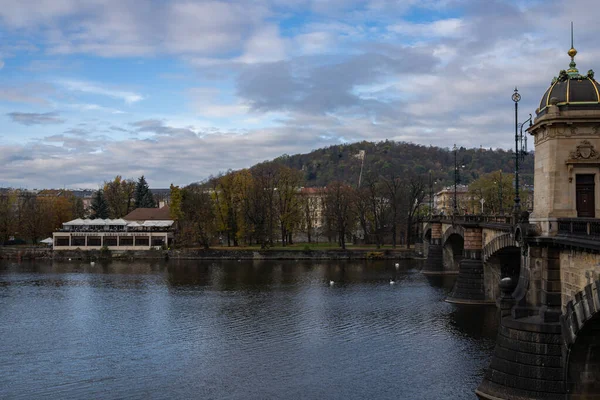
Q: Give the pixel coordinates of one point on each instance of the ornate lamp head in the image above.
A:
(516, 96)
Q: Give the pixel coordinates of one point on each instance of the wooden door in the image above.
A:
(586, 204)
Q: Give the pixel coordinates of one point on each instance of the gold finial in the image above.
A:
(572, 52)
(573, 72)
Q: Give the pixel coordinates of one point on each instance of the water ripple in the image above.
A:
(250, 330)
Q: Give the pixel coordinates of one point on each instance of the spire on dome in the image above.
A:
(572, 71)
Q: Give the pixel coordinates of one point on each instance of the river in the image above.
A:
(237, 330)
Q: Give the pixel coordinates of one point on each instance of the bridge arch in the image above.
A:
(581, 331)
(501, 259)
(453, 230)
(453, 243)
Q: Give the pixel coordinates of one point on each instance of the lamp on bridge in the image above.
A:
(520, 150)
(456, 180)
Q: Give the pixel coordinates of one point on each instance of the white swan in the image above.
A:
(392, 282)
(331, 283)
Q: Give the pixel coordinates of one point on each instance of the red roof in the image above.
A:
(148, 214)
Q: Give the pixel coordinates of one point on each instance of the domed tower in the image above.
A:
(567, 144)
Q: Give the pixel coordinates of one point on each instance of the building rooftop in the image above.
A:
(149, 214)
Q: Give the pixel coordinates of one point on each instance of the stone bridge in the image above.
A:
(547, 289)
(480, 249)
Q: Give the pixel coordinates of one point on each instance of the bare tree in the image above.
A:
(339, 208)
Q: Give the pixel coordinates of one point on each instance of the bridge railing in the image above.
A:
(579, 227)
(502, 219)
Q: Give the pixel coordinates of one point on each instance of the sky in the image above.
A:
(180, 90)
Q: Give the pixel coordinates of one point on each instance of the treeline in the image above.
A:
(119, 197)
(266, 205)
(340, 162)
(27, 216)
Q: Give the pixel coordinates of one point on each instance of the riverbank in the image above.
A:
(33, 253)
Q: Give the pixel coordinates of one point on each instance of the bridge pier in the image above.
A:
(434, 264)
(528, 360)
(469, 286)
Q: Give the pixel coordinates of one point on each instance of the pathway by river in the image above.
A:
(237, 330)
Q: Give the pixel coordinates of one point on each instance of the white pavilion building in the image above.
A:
(141, 229)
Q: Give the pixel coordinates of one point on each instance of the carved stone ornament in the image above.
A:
(585, 151)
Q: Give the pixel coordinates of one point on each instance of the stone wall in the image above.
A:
(577, 270)
(473, 239)
(291, 254)
(25, 252)
(29, 253)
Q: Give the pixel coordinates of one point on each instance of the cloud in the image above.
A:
(259, 79)
(451, 27)
(94, 88)
(49, 118)
(34, 93)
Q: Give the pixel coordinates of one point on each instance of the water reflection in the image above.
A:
(237, 330)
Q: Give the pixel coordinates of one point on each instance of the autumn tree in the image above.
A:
(34, 222)
(224, 197)
(175, 211)
(197, 216)
(119, 195)
(8, 215)
(495, 189)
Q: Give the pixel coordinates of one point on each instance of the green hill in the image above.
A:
(339, 163)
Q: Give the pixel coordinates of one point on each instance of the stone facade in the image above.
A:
(559, 136)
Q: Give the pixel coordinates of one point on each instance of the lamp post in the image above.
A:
(517, 208)
(456, 178)
(520, 150)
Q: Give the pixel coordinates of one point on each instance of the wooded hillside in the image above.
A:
(340, 163)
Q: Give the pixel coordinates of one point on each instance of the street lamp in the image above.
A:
(520, 150)
(456, 178)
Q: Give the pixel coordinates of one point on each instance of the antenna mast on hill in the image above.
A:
(361, 155)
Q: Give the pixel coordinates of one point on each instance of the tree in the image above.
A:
(78, 210)
(288, 204)
(8, 216)
(99, 205)
(197, 216)
(393, 192)
(143, 196)
(415, 193)
(496, 191)
(119, 196)
(339, 209)
(35, 219)
(175, 205)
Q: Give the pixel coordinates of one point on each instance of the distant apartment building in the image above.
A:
(161, 196)
(444, 201)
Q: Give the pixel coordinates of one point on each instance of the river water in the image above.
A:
(237, 330)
